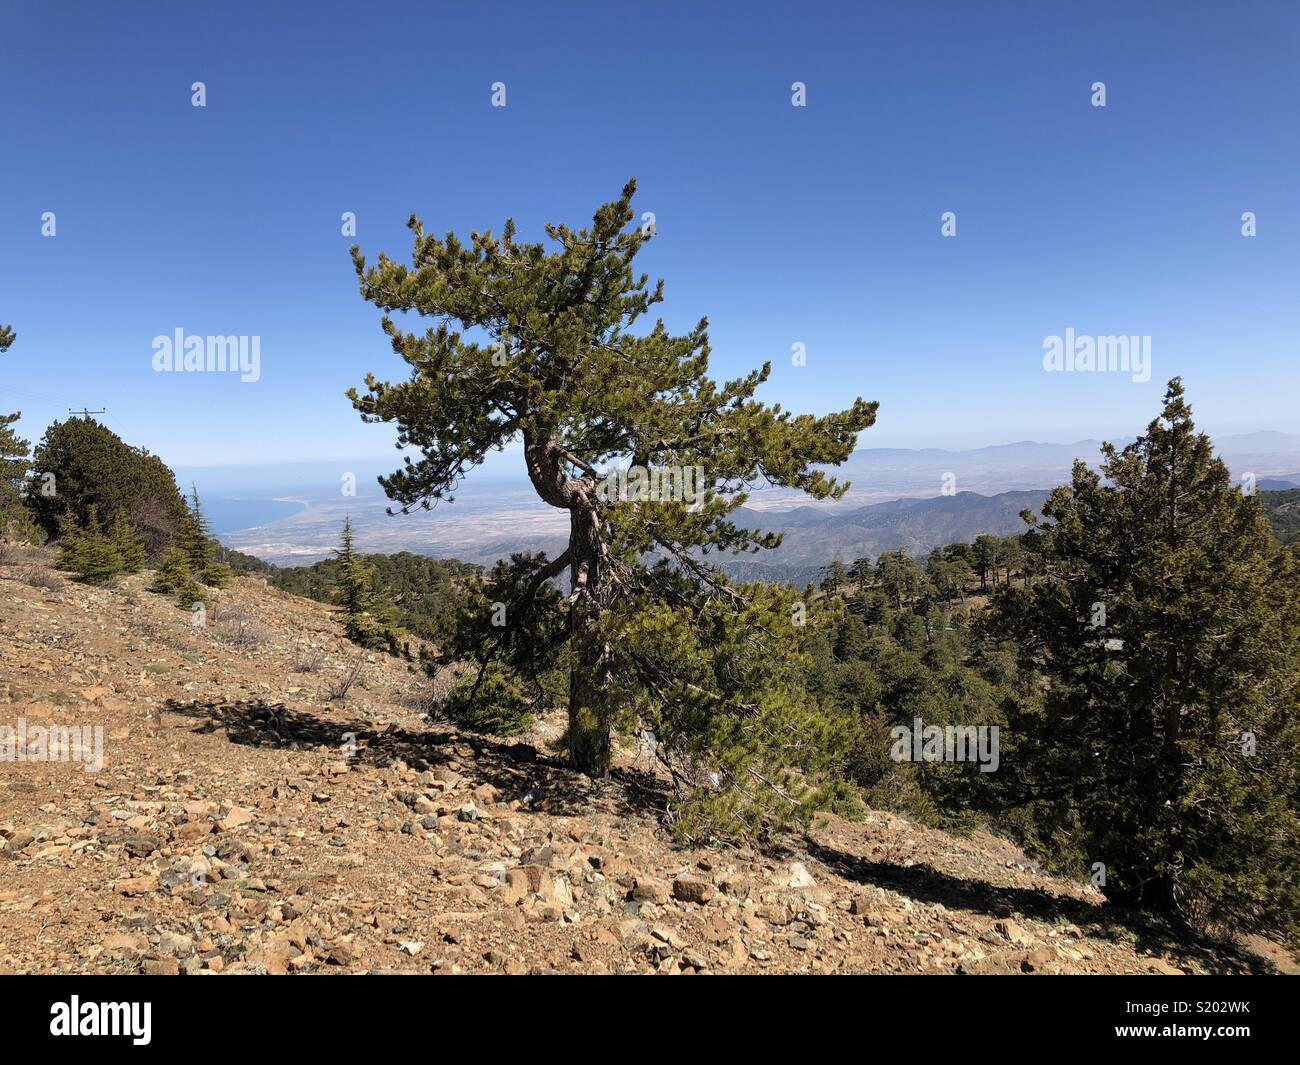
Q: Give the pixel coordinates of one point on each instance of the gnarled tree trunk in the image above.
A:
(590, 592)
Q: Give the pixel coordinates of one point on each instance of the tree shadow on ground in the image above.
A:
(1147, 932)
(545, 784)
(517, 770)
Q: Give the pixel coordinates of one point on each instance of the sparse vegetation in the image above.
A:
(307, 661)
(237, 627)
(174, 577)
(16, 523)
(41, 578)
(339, 688)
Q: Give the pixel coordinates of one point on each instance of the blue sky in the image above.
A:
(818, 225)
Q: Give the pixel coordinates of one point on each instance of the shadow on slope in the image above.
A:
(520, 771)
(517, 770)
(1148, 932)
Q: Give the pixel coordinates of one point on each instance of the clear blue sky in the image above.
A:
(818, 225)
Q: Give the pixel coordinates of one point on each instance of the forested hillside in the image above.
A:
(419, 590)
(1283, 510)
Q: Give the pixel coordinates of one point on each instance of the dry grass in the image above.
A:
(340, 688)
(41, 578)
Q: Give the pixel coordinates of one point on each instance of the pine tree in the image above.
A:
(15, 519)
(353, 580)
(71, 545)
(128, 544)
(174, 577)
(565, 372)
(986, 559)
(836, 576)
(1165, 620)
(364, 621)
(196, 541)
(899, 576)
(861, 570)
(89, 465)
(87, 552)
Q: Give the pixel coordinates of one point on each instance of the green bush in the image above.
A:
(494, 705)
(86, 551)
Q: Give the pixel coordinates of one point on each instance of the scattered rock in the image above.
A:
(648, 889)
(690, 889)
(799, 877)
(236, 816)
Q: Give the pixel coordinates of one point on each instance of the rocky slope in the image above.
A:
(246, 821)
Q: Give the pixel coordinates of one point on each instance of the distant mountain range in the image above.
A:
(813, 538)
(894, 502)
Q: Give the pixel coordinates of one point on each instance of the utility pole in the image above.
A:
(86, 413)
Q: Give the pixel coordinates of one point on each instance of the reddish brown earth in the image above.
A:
(244, 821)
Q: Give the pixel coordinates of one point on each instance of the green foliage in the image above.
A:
(128, 544)
(564, 370)
(175, 577)
(489, 701)
(836, 576)
(719, 682)
(199, 547)
(1139, 744)
(986, 559)
(422, 593)
(354, 589)
(900, 577)
(16, 521)
(86, 551)
(365, 621)
(511, 626)
(896, 655)
(1283, 511)
(93, 468)
(949, 573)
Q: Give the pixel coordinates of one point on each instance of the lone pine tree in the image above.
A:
(14, 464)
(1164, 618)
(196, 541)
(353, 582)
(365, 621)
(558, 367)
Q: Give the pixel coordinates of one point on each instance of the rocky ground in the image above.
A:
(250, 818)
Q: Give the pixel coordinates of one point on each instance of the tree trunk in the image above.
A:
(589, 711)
(589, 726)
(591, 594)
